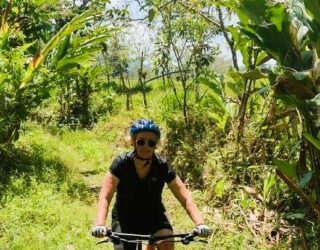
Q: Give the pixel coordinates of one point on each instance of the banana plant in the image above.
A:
(75, 24)
(25, 79)
(289, 33)
(75, 59)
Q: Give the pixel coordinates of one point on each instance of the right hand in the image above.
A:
(99, 231)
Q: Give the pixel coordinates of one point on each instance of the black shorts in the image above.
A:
(138, 226)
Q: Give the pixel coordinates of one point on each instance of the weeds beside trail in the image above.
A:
(49, 196)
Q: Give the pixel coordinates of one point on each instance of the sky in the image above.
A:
(139, 35)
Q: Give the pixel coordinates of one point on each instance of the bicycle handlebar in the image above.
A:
(185, 238)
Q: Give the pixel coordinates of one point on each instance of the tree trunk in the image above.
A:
(185, 104)
(243, 108)
(164, 82)
(197, 88)
(84, 97)
(142, 79)
(229, 40)
(129, 96)
(126, 90)
(175, 92)
(298, 190)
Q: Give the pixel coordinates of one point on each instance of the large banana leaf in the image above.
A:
(273, 29)
(74, 24)
(75, 51)
(63, 48)
(289, 33)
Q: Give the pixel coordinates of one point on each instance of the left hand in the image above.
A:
(203, 230)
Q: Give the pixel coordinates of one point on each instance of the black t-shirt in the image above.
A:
(140, 198)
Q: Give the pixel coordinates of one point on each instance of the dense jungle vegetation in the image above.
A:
(243, 132)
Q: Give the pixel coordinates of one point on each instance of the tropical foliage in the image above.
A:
(289, 35)
(243, 132)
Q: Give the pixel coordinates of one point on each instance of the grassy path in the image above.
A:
(50, 203)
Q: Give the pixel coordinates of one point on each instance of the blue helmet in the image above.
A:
(144, 125)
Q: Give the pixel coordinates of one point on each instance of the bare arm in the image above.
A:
(108, 188)
(183, 195)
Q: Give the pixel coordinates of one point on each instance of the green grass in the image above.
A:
(43, 218)
(49, 189)
(49, 202)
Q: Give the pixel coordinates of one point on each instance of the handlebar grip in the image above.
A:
(195, 232)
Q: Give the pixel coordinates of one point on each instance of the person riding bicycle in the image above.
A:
(138, 178)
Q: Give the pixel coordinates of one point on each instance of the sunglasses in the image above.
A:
(142, 142)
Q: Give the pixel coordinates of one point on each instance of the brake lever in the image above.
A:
(103, 241)
(112, 238)
(186, 240)
(203, 241)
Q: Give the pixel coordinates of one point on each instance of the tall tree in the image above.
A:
(187, 39)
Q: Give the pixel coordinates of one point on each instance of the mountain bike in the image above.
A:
(151, 241)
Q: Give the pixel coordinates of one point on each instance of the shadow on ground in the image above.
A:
(33, 166)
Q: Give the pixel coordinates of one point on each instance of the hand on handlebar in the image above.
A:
(202, 230)
(99, 231)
